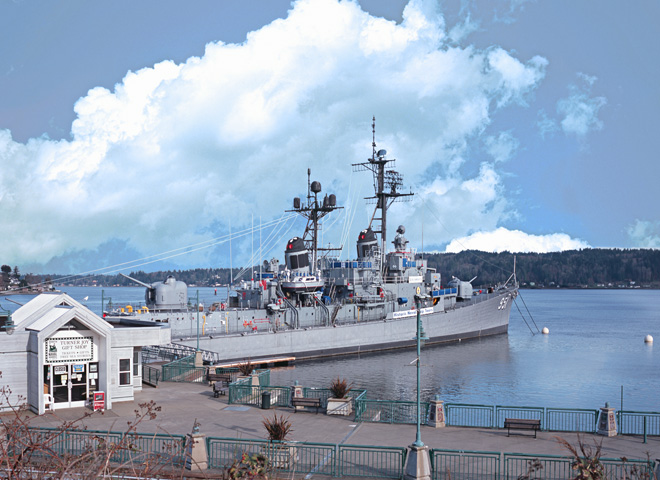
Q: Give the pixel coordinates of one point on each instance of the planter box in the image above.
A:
(339, 406)
(283, 457)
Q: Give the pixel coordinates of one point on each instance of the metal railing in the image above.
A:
(467, 415)
(389, 411)
(183, 370)
(310, 458)
(531, 413)
(571, 420)
(552, 419)
(370, 461)
(464, 464)
(294, 457)
(639, 423)
(518, 465)
(355, 394)
(242, 393)
(150, 375)
(135, 447)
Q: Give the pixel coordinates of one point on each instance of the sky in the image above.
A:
(140, 135)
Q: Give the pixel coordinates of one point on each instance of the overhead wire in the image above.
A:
(150, 259)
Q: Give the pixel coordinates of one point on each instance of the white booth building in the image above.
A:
(58, 353)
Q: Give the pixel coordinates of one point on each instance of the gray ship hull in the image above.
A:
(477, 318)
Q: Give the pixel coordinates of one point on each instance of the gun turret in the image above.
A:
(169, 295)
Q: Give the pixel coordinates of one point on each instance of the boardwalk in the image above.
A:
(184, 403)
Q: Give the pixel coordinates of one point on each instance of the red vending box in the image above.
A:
(99, 401)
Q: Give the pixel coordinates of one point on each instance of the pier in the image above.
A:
(183, 404)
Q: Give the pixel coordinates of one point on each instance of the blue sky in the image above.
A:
(145, 129)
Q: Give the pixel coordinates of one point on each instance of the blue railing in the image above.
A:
(368, 461)
(639, 423)
(390, 411)
(552, 419)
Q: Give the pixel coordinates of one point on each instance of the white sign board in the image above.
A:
(412, 313)
(73, 349)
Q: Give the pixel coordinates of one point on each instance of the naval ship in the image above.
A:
(316, 305)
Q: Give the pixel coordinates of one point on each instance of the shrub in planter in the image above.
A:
(278, 428)
(246, 368)
(339, 403)
(340, 388)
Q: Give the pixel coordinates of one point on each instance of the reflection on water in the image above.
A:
(456, 371)
(594, 348)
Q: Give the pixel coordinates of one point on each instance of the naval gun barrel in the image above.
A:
(146, 285)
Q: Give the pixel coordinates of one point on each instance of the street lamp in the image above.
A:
(418, 464)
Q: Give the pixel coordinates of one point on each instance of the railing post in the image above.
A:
(644, 428)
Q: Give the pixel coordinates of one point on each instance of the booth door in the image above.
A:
(70, 385)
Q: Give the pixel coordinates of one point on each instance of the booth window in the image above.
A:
(124, 371)
(136, 362)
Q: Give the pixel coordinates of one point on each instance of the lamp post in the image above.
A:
(197, 308)
(418, 463)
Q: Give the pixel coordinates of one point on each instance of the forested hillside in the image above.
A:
(574, 268)
(596, 268)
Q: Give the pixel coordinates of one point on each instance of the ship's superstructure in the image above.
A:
(316, 304)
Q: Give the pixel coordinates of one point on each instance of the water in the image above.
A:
(94, 297)
(595, 346)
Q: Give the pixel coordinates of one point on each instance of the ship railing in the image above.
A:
(174, 351)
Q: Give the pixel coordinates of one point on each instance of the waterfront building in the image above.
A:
(56, 353)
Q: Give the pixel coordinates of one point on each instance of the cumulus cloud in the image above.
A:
(504, 240)
(175, 152)
(644, 234)
(579, 112)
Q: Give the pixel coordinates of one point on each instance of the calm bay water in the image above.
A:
(595, 346)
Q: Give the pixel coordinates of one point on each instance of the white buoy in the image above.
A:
(648, 339)
(545, 331)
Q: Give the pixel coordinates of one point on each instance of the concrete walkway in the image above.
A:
(183, 403)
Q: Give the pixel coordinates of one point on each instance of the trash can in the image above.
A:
(265, 400)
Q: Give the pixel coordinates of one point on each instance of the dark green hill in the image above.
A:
(593, 268)
(574, 268)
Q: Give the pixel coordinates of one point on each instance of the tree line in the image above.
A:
(571, 269)
(596, 267)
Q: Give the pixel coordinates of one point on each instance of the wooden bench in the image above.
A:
(522, 424)
(305, 402)
(220, 382)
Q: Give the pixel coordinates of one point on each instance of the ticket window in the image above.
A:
(93, 378)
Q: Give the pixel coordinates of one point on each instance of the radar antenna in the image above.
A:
(314, 210)
(387, 184)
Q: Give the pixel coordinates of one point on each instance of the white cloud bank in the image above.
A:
(579, 111)
(515, 241)
(644, 234)
(177, 151)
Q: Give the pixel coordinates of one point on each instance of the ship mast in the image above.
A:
(386, 185)
(314, 211)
